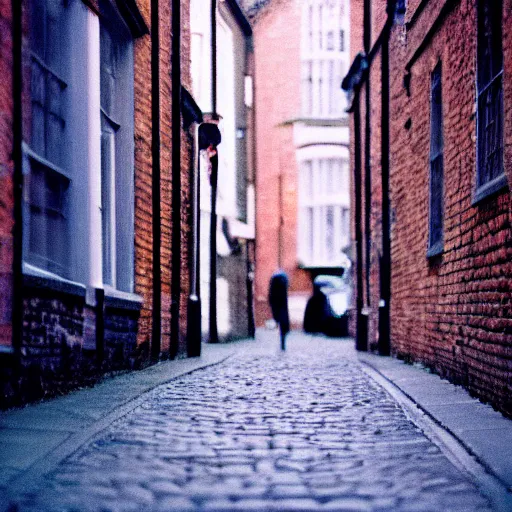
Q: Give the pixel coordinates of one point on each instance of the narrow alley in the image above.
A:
(308, 429)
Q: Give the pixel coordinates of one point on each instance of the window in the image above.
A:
(490, 172)
(323, 230)
(46, 178)
(435, 242)
(79, 159)
(307, 88)
(116, 111)
(330, 40)
(322, 56)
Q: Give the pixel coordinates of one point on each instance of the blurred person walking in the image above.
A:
(278, 299)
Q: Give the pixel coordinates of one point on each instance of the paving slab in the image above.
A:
(493, 448)
(20, 447)
(484, 432)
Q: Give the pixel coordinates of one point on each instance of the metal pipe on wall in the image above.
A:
(367, 151)
(176, 178)
(214, 336)
(385, 292)
(194, 300)
(361, 321)
(155, 182)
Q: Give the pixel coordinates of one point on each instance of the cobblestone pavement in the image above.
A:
(307, 430)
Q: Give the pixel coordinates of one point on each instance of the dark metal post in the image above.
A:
(367, 149)
(100, 326)
(155, 182)
(214, 337)
(384, 307)
(361, 330)
(176, 178)
(194, 300)
(251, 328)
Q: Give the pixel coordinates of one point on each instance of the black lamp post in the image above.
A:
(214, 161)
(192, 117)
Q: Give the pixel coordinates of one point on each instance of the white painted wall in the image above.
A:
(226, 198)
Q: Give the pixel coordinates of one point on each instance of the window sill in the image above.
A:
(117, 299)
(495, 186)
(34, 277)
(435, 250)
(341, 120)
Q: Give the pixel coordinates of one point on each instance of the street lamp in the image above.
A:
(209, 139)
(214, 163)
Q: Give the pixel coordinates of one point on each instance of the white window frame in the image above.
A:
(323, 64)
(82, 160)
(323, 186)
(117, 167)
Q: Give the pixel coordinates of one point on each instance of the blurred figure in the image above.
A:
(278, 299)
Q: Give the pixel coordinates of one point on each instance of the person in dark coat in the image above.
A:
(278, 299)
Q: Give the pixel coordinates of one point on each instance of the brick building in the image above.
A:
(95, 208)
(301, 53)
(430, 153)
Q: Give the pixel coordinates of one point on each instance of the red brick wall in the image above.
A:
(453, 312)
(143, 175)
(378, 14)
(165, 168)
(186, 170)
(277, 99)
(356, 27)
(6, 172)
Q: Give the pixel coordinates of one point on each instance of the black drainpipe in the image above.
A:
(385, 294)
(361, 322)
(17, 296)
(367, 145)
(214, 335)
(155, 184)
(176, 178)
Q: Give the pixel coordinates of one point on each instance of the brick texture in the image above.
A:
(6, 172)
(452, 312)
(276, 70)
(143, 177)
(60, 329)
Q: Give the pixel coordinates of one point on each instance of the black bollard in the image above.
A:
(278, 299)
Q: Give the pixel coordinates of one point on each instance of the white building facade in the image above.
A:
(235, 197)
(321, 136)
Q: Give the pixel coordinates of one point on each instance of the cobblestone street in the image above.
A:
(305, 430)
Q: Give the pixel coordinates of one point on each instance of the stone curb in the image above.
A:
(469, 444)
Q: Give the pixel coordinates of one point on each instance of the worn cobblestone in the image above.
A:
(307, 430)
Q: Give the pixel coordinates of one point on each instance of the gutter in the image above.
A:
(156, 331)
(239, 16)
(176, 178)
(356, 76)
